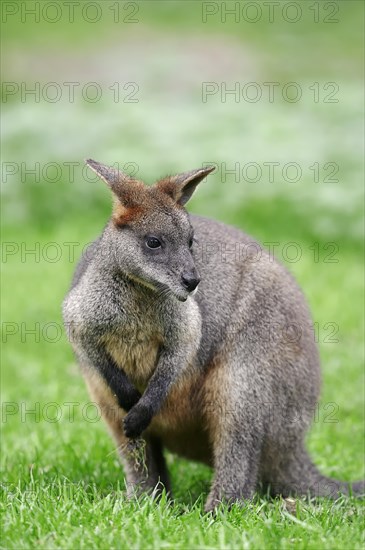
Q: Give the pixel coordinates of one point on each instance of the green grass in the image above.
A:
(62, 485)
(102, 519)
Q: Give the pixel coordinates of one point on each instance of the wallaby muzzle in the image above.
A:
(190, 280)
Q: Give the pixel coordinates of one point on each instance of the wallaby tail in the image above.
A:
(300, 476)
(319, 485)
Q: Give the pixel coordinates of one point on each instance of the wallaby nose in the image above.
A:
(190, 281)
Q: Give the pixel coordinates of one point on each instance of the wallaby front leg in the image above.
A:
(169, 367)
(94, 353)
(177, 357)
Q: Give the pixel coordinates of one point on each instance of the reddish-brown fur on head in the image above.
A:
(143, 202)
(167, 186)
(123, 215)
(181, 187)
(133, 199)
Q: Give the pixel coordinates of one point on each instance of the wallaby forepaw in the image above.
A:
(137, 420)
(131, 399)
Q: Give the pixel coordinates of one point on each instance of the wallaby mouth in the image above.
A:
(165, 290)
(188, 287)
(189, 293)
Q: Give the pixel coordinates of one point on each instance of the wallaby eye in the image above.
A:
(192, 240)
(153, 242)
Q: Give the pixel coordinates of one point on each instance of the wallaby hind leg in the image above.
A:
(236, 471)
(234, 433)
(143, 460)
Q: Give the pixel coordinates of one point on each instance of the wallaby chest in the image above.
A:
(135, 341)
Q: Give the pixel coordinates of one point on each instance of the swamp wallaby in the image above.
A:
(190, 334)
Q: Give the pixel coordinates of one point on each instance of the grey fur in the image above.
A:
(229, 375)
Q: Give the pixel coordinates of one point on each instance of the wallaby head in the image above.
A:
(150, 235)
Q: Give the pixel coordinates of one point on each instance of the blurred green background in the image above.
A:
(150, 63)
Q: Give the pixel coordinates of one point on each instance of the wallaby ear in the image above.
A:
(128, 192)
(124, 187)
(181, 187)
